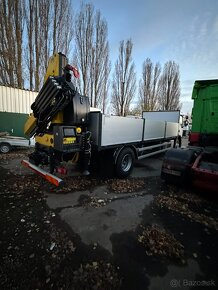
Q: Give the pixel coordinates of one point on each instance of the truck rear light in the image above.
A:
(62, 170)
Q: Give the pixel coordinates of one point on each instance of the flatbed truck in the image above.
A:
(65, 129)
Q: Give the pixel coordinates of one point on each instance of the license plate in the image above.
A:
(172, 172)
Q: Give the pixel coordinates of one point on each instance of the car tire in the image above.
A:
(5, 148)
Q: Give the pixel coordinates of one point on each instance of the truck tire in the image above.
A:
(5, 147)
(124, 163)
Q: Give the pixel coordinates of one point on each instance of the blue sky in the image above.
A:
(185, 31)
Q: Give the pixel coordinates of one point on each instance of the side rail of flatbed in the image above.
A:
(111, 131)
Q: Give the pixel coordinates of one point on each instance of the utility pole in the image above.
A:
(122, 98)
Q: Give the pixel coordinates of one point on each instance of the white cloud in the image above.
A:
(195, 49)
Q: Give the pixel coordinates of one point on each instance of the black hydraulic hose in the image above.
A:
(62, 102)
(44, 89)
(48, 101)
(54, 96)
(46, 109)
(46, 97)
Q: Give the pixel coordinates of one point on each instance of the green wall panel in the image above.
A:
(13, 121)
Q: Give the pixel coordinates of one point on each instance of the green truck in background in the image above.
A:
(205, 114)
(198, 163)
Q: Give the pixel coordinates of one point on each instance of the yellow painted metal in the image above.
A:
(69, 140)
(58, 118)
(46, 140)
(55, 68)
(78, 130)
(55, 65)
(30, 124)
(75, 158)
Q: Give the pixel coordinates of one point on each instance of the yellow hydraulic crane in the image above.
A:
(58, 121)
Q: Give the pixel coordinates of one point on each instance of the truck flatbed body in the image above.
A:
(115, 130)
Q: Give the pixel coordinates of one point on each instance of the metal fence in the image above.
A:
(16, 100)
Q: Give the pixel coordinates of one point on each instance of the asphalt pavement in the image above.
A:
(138, 233)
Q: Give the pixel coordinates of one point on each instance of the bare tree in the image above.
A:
(11, 35)
(36, 20)
(100, 67)
(83, 38)
(105, 84)
(45, 24)
(28, 12)
(135, 111)
(24, 50)
(37, 29)
(62, 26)
(49, 29)
(18, 27)
(124, 80)
(148, 85)
(169, 87)
(92, 55)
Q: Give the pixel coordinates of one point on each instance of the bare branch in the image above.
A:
(169, 87)
(148, 89)
(11, 35)
(92, 55)
(124, 80)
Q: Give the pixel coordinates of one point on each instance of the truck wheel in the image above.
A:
(5, 147)
(124, 164)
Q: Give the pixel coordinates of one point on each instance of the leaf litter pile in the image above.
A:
(78, 183)
(91, 201)
(173, 203)
(39, 248)
(115, 185)
(97, 275)
(126, 185)
(158, 242)
(36, 251)
(15, 154)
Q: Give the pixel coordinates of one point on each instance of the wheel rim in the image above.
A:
(126, 162)
(4, 149)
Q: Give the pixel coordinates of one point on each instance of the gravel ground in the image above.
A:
(176, 237)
